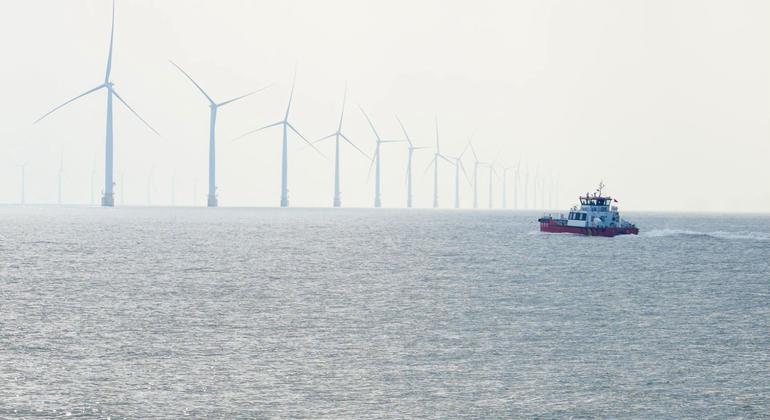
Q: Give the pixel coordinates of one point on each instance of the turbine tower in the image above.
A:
(492, 175)
(411, 148)
(458, 164)
(286, 125)
(505, 185)
(436, 156)
(213, 107)
(376, 160)
(337, 200)
(516, 181)
(476, 164)
(108, 199)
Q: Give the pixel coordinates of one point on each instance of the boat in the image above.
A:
(597, 216)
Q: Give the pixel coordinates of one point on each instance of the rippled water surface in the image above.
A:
(132, 312)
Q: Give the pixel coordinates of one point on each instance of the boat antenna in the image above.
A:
(601, 187)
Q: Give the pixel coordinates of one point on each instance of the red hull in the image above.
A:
(552, 226)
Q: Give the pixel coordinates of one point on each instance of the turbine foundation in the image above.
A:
(212, 201)
(108, 200)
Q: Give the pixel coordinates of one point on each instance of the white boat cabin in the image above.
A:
(595, 211)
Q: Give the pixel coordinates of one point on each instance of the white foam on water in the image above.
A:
(755, 236)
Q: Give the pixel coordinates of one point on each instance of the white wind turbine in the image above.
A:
(108, 199)
(526, 186)
(476, 164)
(286, 125)
(337, 200)
(376, 160)
(458, 164)
(492, 174)
(213, 106)
(505, 185)
(411, 148)
(436, 156)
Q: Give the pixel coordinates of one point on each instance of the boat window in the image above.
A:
(583, 216)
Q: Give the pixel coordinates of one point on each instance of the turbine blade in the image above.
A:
(242, 96)
(370, 123)
(464, 150)
(371, 165)
(344, 100)
(467, 178)
(109, 54)
(325, 137)
(446, 159)
(291, 94)
(194, 82)
(432, 161)
(351, 143)
(71, 100)
(406, 135)
(134, 112)
(306, 140)
(258, 129)
(473, 150)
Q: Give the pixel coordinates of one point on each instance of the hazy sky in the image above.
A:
(668, 102)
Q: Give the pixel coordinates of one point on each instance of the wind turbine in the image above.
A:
(337, 200)
(213, 107)
(61, 171)
(476, 164)
(376, 160)
(286, 125)
(108, 199)
(411, 148)
(436, 156)
(505, 185)
(458, 164)
(492, 175)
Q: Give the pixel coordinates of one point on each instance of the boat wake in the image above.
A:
(746, 236)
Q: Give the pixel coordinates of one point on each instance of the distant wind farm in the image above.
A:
(369, 148)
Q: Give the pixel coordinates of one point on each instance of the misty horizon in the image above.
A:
(665, 102)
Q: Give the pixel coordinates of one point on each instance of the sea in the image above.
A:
(379, 313)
